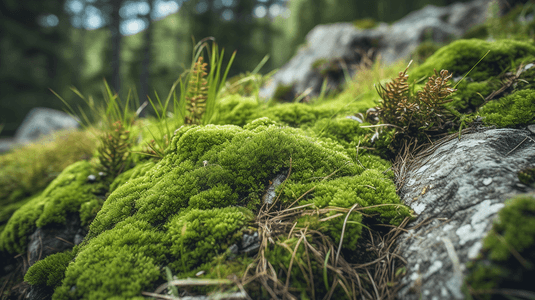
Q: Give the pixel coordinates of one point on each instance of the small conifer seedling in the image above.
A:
(197, 94)
(113, 153)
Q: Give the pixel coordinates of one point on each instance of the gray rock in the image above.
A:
(55, 238)
(439, 24)
(6, 144)
(39, 122)
(42, 121)
(331, 42)
(344, 45)
(459, 187)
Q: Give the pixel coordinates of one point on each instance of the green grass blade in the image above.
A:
(261, 64)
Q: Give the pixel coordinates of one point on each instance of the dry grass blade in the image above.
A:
(508, 81)
(370, 280)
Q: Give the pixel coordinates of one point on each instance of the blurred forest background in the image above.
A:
(143, 46)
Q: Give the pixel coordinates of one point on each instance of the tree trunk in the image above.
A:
(145, 67)
(115, 23)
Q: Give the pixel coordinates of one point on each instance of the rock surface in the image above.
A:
(344, 45)
(55, 238)
(457, 191)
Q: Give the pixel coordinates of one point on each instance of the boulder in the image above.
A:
(39, 122)
(457, 189)
(342, 46)
(42, 121)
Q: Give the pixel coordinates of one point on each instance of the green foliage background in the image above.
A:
(36, 58)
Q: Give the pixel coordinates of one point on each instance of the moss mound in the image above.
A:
(66, 194)
(517, 109)
(28, 170)
(460, 56)
(185, 211)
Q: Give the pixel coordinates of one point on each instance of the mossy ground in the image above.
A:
(186, 209)
(28, 170)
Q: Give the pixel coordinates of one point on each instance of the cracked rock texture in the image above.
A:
(457, 191)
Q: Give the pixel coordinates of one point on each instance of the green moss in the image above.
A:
(187, 209)
(460, 56)
(477, 32)
(29, 169)
(137, 171)
(89, 210)
(470, 95)
(121, 262)
(49, 271)
(424, 51)
(371, 187)
(324, 66)
(297, 114)
(527, 176)
(345, 131)
(199, 235)
(22, 223)
(508, 253)
(514, 110)
(8, 210)
(514, 229)
(235, 110)
(64, 195)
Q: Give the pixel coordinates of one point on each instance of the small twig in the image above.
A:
(527, 137)
(64, 240)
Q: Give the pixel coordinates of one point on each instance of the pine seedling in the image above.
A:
(113, 153)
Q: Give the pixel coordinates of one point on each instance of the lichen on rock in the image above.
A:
(507, 257)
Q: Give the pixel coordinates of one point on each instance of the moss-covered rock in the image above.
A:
(527, 176)
(66, 194)
(29, 169)
(460, 56)
(517, 109)
(49, 271)
(187, 209)
(508, 255)
(366, 23)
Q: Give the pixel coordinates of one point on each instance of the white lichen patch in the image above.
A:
(434, 268)
(478, 223)
(418, 207)
(474, 250)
